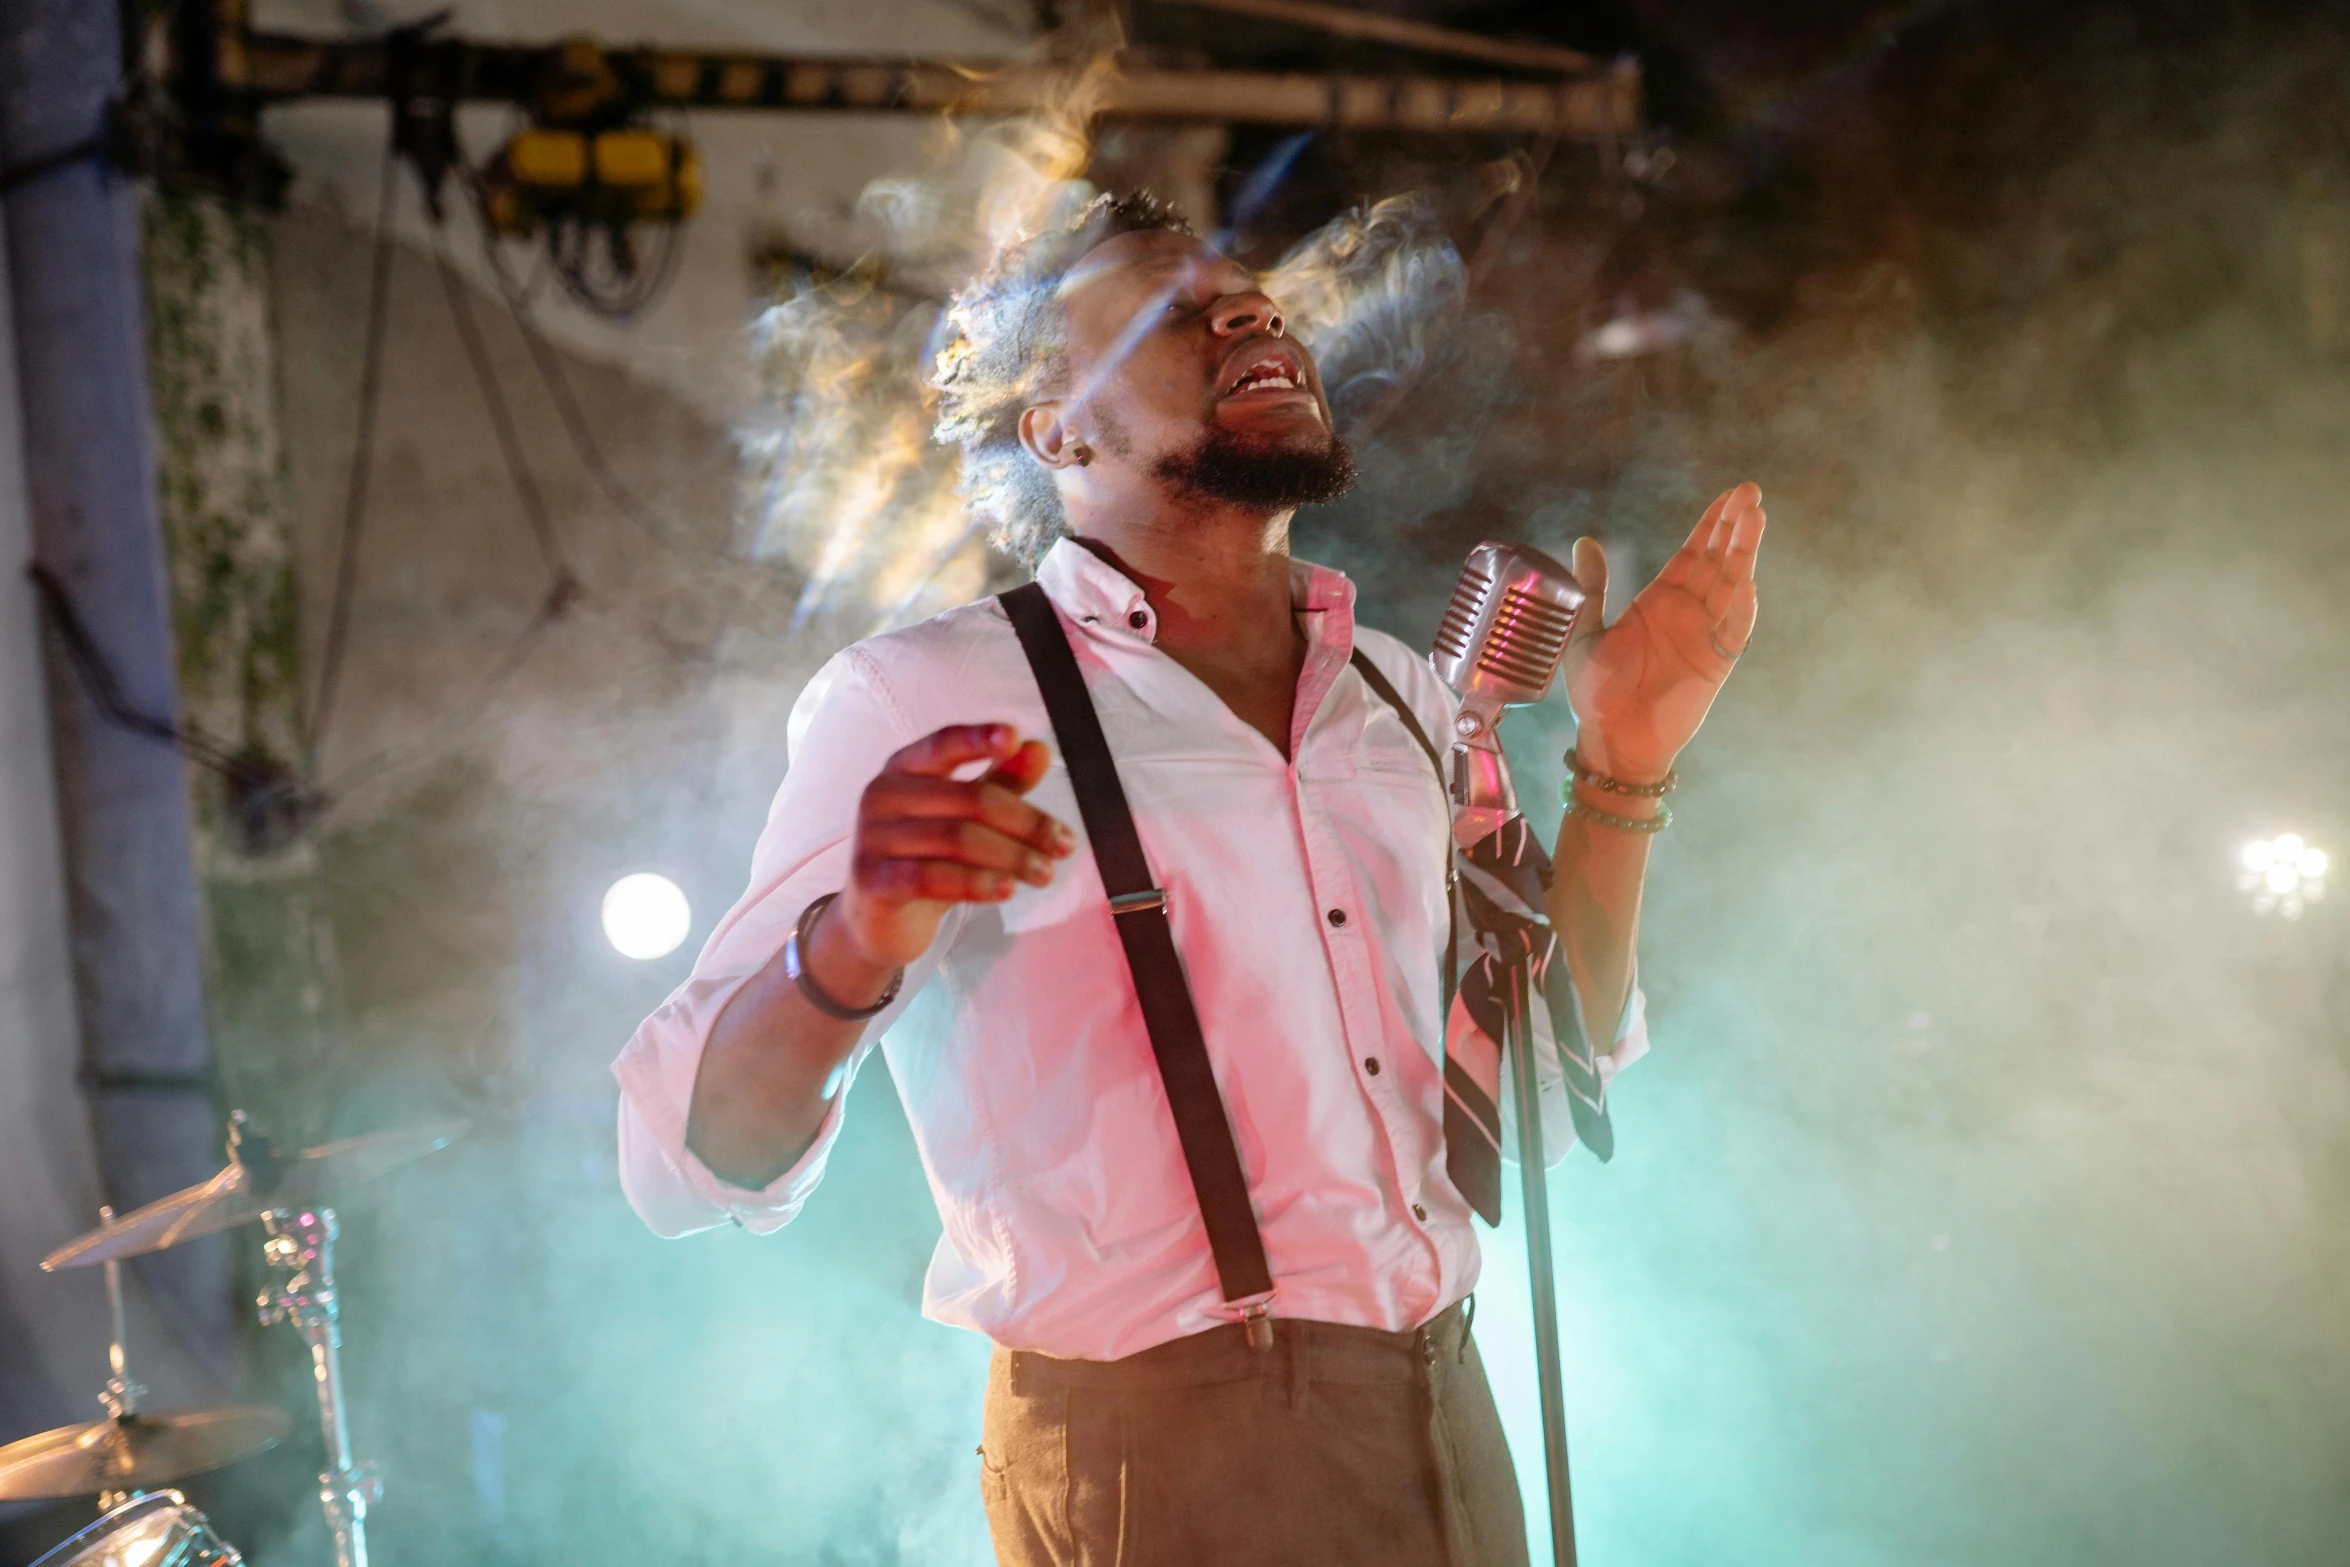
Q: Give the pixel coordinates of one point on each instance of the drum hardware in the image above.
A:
(256, 1183)
(158, 1529)
(301, 1249)
(288, 1197)
(128, 1452)
(114, 1459)
(121, 1396)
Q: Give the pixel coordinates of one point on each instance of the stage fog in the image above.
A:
(1983, 1196)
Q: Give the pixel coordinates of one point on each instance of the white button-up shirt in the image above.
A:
(1307, 897)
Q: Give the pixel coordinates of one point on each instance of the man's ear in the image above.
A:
(1048, 439)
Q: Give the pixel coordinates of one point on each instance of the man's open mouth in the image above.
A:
(1272, 370)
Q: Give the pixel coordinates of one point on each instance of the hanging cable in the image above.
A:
(567, 587)
(493, 396)
(581, 435)
(584, 443)
(338, 615)
(267, 806)
(564, 588)
(517, 295)
(354, 520)
(392, 759)
(104, 686)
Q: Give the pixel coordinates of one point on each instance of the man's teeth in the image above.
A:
(1258, 379)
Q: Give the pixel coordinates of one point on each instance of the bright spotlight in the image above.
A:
(646, 916)
(2283, 875)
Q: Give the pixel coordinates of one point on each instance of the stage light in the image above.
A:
(646, 916)
(2283, 875)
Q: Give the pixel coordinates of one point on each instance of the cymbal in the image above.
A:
(242, 1193)
(136, 1452)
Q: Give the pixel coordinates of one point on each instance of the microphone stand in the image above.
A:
(1535, 1203)
(1486, 798)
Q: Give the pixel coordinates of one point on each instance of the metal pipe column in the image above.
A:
(72, 239)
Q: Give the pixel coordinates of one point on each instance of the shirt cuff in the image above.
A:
(667, 1182)
(1631, 1034)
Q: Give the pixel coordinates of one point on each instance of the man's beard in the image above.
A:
(1223, 467)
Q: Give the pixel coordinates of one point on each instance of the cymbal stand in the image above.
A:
(301, 1249)
(121, 1394)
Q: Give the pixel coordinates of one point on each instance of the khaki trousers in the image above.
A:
(1341, 1446)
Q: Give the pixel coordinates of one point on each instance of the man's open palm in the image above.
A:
(1642, 686)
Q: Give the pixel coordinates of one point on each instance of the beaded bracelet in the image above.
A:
(1599, 780)
(1592, 813)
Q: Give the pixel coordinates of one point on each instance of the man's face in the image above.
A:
(1179, 367)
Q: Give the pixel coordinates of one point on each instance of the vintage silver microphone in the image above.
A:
(1499, 646)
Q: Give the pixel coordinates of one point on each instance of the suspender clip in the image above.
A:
(1139, 902)
(1258, 1321)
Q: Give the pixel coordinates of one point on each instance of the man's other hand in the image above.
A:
(927, 840)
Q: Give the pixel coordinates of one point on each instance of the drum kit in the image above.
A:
(125, 1457)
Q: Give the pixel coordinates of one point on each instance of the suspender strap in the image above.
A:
(1403, 710)
(1387, 693)
(1139, 907)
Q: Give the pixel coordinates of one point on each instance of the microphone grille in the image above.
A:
(1505, 630)
(1528, 639)
(1456, 632)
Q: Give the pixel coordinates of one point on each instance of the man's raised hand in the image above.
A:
(1642, 686)
(926, 840)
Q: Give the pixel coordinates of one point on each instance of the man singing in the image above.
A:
(1135, 420)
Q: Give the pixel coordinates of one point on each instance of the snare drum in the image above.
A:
(158, 1529)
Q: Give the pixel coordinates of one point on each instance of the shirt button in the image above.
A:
(1419, 1213)
(1371, 1065)
(1138, 620)
(1338, 916)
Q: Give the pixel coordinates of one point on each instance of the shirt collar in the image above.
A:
(1092, 592)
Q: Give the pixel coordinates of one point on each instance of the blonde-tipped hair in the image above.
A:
(1006, 337)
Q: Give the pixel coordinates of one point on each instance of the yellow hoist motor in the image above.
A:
(602, 191)
(549, 175)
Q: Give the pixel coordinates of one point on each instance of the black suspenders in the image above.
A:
(1452, 929)
(1139, 907)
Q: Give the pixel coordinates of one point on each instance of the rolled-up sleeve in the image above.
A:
(844, 727)
(1631, 1034)
(1558, 1116)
